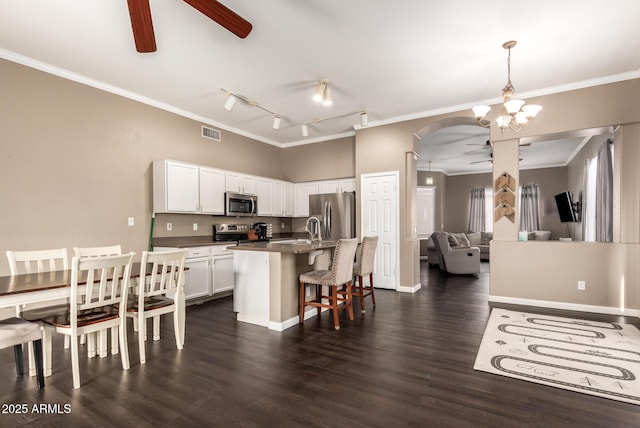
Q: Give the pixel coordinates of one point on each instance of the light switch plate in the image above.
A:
(195, 226)
(169, 226)
(131, 221)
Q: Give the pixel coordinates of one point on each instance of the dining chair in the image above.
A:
(100, 304)
(16, 331)
(340, 274)
(38, 261)
(363, 267)
(112, 250)
(160, 275)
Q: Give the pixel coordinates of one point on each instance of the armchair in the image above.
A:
(457, 260)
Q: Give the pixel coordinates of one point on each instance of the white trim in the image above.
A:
(396, 175)
(409, 289)
(608, 310)
(263, 322)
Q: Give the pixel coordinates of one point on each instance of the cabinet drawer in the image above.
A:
(198, 252)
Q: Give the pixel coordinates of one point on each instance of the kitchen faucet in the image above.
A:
(308, 229)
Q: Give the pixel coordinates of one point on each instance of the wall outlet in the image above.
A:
(582, 285)
(131, 221)
(169, 226)
(195, 226)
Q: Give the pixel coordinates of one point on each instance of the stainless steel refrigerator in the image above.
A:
(337, 214)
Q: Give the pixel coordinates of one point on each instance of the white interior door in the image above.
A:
(379, 208)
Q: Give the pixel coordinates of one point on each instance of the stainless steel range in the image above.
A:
(240, 232)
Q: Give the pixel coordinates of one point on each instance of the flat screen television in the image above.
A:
(565, 208)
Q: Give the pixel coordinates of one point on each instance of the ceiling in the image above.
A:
(395, 60)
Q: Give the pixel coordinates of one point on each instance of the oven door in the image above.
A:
(239, 205)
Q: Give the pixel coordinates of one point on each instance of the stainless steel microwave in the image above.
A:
(240, 205)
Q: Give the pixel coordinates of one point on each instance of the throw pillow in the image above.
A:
(474, 238)
(485, 237)
(458, 240)
(453, 240)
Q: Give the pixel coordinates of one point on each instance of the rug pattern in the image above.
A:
(597, 358)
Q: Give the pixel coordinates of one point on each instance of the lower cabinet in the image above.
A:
(196, 280)
(222, 273)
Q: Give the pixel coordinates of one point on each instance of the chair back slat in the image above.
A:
(107, 281)
(113, 250)
(166, 272)
(37, 261)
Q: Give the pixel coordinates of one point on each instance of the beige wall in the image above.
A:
(76, 163)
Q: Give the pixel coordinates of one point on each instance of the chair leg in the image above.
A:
(75, 367)
(91, 345)
(17, 351)
(142, 337)
(66, 342)
(37, 346)
(114, 340)
(350, 300)
(124, 349)
(334, 305)
(46, 343)
(373, 296)
(360, 289)
(135, 325)
(31, 358)
(102, 342)
(156, 328)
(301, 292)
(177, 328)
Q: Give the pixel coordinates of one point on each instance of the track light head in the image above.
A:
(305, 130)
(364, 118)
(276, 122)
(231, 101)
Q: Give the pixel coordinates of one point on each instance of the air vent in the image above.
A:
(210, 133)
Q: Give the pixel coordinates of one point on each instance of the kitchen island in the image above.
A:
(266, 279)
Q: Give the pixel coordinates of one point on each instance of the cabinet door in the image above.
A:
(278, 198)
(264, 188)
(197, 278)
(329, 186)
(348, 185)
(249, 185)
(303, 190)
(222, 273)
(240, 183)
(288, 200)
(182, 187)
(212, 183)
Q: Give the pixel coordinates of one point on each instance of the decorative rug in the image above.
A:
(597, 358)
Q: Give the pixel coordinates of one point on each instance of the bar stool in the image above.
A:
(341, 273)
(365, 256)
(16, 331)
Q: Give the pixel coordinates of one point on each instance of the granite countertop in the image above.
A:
(290, 247)
(201, 241)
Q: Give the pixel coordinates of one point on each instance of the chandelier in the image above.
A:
(515, 114)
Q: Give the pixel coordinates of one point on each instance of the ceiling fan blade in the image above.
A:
(142, 26)
(223, 16)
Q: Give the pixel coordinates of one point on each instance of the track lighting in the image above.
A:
(231, 101)
(364, 120)
(322, 94)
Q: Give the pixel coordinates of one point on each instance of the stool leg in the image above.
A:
(318, 298)
(17, 350)
(373, 296)
(361, 293)
(333, 296)
(350, 300)
(37, 348)
(302, 291)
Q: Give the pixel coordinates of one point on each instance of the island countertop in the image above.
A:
(299, 246)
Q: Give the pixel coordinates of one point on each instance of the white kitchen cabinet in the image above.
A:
(302, 192)
(278, 198)
(222, 273)
(264, 190)
(185, 188)
(212, 182)
(288, 199)
(329, 186)
(347, 185)
(240, 183)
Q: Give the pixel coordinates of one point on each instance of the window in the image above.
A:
(426, 206)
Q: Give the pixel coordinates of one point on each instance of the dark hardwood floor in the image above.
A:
(408, 362)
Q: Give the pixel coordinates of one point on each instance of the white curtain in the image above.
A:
(604, 194)
(477, 219)
(529, 218)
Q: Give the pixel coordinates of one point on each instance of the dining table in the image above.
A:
(51, 287)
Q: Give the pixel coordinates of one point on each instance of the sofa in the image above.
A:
(453, 257)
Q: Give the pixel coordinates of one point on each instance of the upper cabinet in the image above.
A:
(241, 183)
(302, 193)
(264, 190)
(185, 188)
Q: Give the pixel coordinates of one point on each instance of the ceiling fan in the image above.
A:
(142, 25)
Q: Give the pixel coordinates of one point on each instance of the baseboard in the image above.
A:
(281, 326)
(608, 310)
(253, 320)
(405, 289)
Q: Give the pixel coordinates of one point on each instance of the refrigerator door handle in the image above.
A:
(327, 216)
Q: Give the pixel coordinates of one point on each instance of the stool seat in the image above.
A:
(319, 277)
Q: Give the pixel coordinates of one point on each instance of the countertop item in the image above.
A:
(199, 241)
